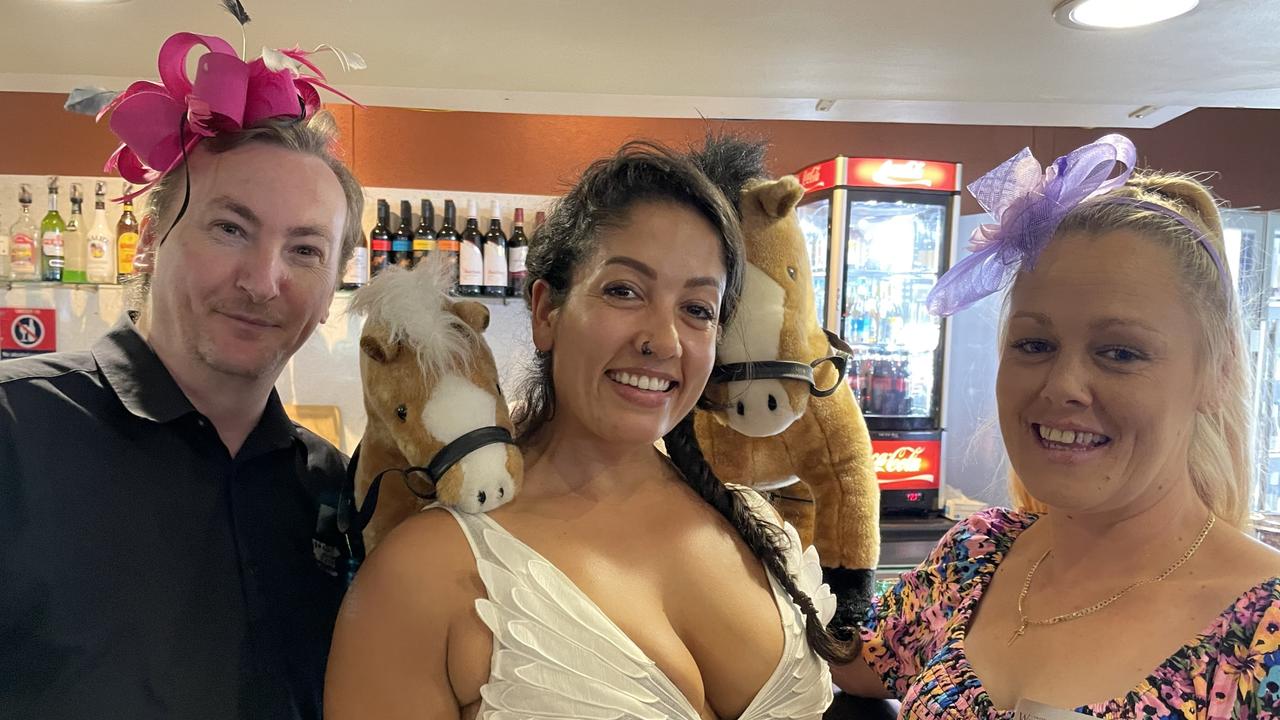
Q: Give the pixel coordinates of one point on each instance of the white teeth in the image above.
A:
(1069, 437)
(644, 382)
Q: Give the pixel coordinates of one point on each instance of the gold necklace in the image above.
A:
(1024, 621)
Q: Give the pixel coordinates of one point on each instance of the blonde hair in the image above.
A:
(1220, 458)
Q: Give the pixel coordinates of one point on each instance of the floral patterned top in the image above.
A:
(914, 637)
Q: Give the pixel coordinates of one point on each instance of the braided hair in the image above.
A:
(643, 171)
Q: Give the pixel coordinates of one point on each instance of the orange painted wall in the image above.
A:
(539, 154)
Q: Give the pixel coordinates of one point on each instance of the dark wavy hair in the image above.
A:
(639, 172)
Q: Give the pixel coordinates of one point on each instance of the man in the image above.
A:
(158, 509)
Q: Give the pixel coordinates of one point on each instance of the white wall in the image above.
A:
(325, 371)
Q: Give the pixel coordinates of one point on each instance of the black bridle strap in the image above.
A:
(788, 369)
(464, 445)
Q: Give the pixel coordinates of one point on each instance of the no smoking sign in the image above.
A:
(27, 331)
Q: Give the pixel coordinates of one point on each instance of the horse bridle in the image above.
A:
(788, 369)
(349, 519)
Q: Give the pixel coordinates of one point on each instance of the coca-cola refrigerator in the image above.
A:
(880, 232)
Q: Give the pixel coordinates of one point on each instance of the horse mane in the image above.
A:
(414, 308)
(731, 162)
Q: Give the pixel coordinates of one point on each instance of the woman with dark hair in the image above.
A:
(619, 583)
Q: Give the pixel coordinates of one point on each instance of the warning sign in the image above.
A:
(27, 331)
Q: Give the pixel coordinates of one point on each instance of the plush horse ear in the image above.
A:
(779, 197)
(473, 313)
(378, 348)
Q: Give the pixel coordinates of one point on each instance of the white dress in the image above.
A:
(557, 655)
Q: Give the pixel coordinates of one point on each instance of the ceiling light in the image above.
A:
(1117, 14)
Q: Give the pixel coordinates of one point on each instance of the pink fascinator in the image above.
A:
(160, 123)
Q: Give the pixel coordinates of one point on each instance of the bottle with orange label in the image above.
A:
(126, 240)
(24, 246)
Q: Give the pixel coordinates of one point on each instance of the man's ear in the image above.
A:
(544, 315)
(144, 259)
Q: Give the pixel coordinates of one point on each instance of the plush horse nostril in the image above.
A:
(481, 497)
(741, 410)
(773, 404)
(502, 492)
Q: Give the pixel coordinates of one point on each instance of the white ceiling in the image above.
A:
(940, 61)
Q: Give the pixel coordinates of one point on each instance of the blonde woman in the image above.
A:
(1133, 589)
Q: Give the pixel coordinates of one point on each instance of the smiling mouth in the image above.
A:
(249, 320)
(1056, 439)
(647, 383)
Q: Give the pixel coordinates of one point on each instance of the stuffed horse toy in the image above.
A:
(438, 428)
(781, 408)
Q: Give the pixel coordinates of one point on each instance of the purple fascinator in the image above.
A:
(1028, 203)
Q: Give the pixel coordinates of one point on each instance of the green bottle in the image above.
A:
(73, 240)
(51, 229)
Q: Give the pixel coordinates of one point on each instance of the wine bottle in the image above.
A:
(24, 249)
(402, 241)
(73, 240)
(517, 249)
(424, 238)
(356, 274)
(51, 231)
(471, 255)
(100, 260)
(447, 242)
(380, 241)
(495, 255)
(126, 240)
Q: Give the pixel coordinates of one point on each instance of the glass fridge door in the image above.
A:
(1262, 301)
(892, 261)
(815, 223)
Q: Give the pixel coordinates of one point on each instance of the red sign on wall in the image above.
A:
(27, 331)
(907, 464)
(906, 174)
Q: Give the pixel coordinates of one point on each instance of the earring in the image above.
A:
(645, 349)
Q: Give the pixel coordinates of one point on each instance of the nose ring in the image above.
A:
(645, 349)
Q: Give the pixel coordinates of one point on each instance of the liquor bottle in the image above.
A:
(73, 241)
(447, 242)
(380, 241)
(51, 231)
(538, 220)
(5, 273)
(424, 238)
(126, 241)
(402, 241)
(24, 249)
(517, 250)
(100, 260)
(495, 255)
(356, 274)
(471, 255)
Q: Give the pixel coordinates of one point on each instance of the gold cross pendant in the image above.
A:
(1022, 628)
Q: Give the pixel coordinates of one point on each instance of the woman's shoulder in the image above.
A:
(426, 559)
(983, 538)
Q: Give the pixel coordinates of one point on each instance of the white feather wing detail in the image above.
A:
(556, 653)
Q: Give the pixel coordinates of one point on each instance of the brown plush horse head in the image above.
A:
(430, 385)
(776, 318)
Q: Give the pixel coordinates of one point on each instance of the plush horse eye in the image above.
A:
(402, 412)
(791, 271)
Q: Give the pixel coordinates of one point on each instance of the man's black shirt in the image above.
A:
(144, 572)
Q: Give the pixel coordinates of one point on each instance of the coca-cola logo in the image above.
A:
(902, 460)
(905, 172)
(811, 177)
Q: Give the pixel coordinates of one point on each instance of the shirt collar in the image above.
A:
(145, 387)
(139, 379)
